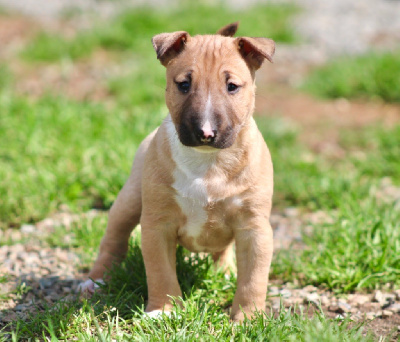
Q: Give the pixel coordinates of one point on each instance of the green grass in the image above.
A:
(5, 78)
(133, 29)
(83, 236)
(374, 75)
(198, 321)
(118, 312)
(56, 151)
(360, 249)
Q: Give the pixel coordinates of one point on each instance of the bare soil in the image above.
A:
(319, 121)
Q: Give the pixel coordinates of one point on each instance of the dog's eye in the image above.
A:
(184, 86)
(232, 88)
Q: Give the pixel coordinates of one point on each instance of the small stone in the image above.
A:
(338, 308)
(310, 288)
(343, 306)
(46, 224)
(48, 282)
(27, 228)
(295, 300)
(370, 315)
(273, 290)
(386, 313)
(394, 308)
(291, 212)
(379, 313)
(325, 300)
(397, 294)
(398, 328)
(312, 298)
(285, 293)
(276, 304)
(378, 297)
(358, 299)
(374, 306)
(20, 307)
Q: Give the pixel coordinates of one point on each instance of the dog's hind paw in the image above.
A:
(88, 287)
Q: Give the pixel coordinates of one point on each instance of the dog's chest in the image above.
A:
(205, 226)
(200, 192)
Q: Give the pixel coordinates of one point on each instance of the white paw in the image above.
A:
(156, 314)
(89, 286)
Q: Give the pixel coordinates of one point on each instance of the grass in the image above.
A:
(57, 151)
(359, 250)
(34, 179)
(374, 75)
(83, 236)
(133, 29)
(198, 320)
(118, 312)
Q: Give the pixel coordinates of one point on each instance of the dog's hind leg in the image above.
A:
(225, 259)
(124, 216)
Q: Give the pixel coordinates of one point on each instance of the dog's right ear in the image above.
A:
(169, 45)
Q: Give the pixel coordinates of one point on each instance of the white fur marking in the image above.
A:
(237, 201)
(209, 108)
(191, 168)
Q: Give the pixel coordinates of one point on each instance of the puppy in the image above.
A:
(204, 178)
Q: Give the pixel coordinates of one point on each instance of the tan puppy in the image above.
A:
(204, 178)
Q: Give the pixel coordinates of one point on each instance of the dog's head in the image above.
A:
(210, 83)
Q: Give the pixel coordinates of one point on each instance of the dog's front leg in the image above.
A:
(254, 247)
(159, 254)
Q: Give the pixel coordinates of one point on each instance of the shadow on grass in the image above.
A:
(127, 288)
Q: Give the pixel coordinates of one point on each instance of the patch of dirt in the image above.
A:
(83, 80)
(46, 275)
(379, 311)
(319, 121)
(14, 33)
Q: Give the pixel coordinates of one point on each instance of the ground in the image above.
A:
(50, 272)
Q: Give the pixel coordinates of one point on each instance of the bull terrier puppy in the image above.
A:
(204, 178)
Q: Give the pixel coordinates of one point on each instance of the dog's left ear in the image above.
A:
(228, 30)
(169, 45)
(255, 50)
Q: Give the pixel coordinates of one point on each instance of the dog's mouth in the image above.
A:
(218, 139)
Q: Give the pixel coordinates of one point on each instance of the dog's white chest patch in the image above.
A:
(189, 183)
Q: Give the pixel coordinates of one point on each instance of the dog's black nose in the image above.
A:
(206, 134)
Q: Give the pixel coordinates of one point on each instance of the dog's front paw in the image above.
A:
(88, 287)
(156, 314)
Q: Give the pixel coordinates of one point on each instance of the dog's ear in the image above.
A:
(228, 30)
(169, 45)
(255, 50)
